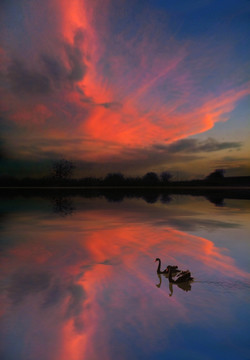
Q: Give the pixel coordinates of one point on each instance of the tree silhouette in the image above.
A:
(150, 179)
(216, 174)
(62, 169)
(165, 176)
(113, 179)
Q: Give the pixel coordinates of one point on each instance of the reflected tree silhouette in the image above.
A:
(114, 196)
(150, 197)
(165, 198)
(63, 206)
(216, 199)
(114, 179)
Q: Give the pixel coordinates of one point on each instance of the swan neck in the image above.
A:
(159, 266)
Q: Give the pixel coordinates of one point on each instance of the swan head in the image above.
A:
(157, 259)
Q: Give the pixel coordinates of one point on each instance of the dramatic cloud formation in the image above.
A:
(109, 78)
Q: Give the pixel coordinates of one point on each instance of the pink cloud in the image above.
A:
(115, 92)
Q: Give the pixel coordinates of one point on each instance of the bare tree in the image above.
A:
(62, 169)
(165, 176)
(63, 206)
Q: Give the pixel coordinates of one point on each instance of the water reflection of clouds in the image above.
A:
(187, 224)
(26, 282)
(88, 282)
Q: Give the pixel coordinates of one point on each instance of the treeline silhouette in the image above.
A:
(65, 201)
(150, 179)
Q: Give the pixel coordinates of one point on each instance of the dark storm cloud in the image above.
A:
(26, 80)
(194, 146)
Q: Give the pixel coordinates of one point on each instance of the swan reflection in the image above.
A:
(184, 285)
(159, 284)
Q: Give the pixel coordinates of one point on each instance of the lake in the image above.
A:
(78, 278)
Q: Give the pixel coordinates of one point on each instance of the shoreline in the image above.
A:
(176, 187)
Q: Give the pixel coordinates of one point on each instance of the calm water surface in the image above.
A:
(78, 279)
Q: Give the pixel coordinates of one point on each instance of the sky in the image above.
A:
(125, 86)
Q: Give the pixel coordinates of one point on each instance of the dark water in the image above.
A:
(78, 279)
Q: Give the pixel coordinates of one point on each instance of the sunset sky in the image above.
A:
(125, 85)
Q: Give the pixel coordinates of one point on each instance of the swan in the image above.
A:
(182, 276)
(174, 269)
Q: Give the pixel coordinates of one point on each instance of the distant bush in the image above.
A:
(216, 174)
